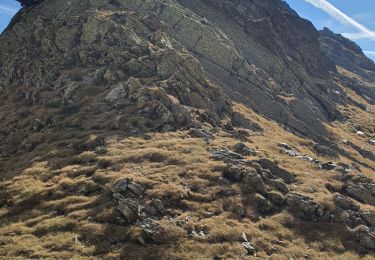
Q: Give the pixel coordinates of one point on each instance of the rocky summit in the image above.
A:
(181, 129)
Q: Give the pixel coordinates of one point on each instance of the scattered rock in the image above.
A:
(250, 249)
(364, 237)
(234, 172)
(306, 209)
(128, 207)
(289, 150)
(160, 232)
(362, 151)
(367, 154)
(277, 171)
(241, 134)
(208, 214)
(223, 181)
(227, 156)
(364, 192)
(344, 168)
(264, 206)
(308, 158)
(279, 185)
(124, 94)
(360, 133)
(345, 203)
(94, 78)
(199, 133)
(155, 207)
(369, 217)
(252, 182)
(285, 146)
(356, 166)
(126, 186)
(323, 150)
(242, 149)
(276, 198)
(244, 237)
(197, 234)
(133, 205)
(328, 166)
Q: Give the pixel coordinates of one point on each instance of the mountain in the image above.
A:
(349, 56)
(173, 129)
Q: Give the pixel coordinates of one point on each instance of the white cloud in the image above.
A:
(337, 14)
(369, 52)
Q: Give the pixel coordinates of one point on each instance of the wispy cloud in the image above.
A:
(338, 15)
(359, 35)
(7, 10)
(369, 52)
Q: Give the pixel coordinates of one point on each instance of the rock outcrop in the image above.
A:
(218, 117)
(165, 45)
(277, 67)
(348, 55)
(97, 65)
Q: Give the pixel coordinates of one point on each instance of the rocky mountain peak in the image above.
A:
(326, 32)
(348, 55)
(182, 129)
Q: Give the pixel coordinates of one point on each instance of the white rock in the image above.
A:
(360, 133)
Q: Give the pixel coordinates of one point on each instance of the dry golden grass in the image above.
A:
(60, 205)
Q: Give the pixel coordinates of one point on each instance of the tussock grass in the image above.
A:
(60, 205)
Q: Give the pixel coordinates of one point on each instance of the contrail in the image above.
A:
(343, 18)
(7, 10)
(358, 35)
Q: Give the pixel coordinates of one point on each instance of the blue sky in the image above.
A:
(7, 9)
(354, 19)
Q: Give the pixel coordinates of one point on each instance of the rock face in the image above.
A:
(281, 74)
(156, 94)
(346, 54)
(181, 53)
(98, 65)
(349, 55)
(29, 3)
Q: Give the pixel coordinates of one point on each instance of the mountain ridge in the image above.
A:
(174, 129)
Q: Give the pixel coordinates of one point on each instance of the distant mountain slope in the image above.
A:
(349, 55)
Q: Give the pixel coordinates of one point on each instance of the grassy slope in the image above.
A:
(57, 200)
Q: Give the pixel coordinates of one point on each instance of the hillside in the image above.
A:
(179, 129)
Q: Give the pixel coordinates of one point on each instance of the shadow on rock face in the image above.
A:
(29, 3)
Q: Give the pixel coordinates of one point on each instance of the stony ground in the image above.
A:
(200, 193)
(176, 130)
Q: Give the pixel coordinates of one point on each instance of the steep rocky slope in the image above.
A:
(173, 129)
(348, 55)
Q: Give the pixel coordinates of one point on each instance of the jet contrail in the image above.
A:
(358, 35)
(7, 10)
(343, 18)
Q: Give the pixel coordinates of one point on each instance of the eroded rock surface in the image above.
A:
(171, 83)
